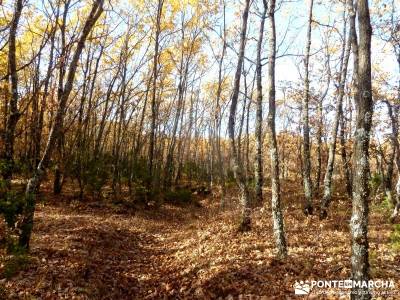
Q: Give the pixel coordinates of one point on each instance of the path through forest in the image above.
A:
(102, 251)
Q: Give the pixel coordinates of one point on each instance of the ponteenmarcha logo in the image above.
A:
(301, 288)
(305, 287)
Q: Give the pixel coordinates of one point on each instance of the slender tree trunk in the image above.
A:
(395, 119)
(259, 114)
(154, 94)
(364, 106)
(138, 143)
(345, 160)
(183, 71)
(37, 138)
(387, 180)
(12, 112)
(321, 123)
(247, 144)
(32, 151)
(319, 147)
(106, 112)
(393, 112)
(338, 114)
(58, 176)
(389, 162)
(218, 114)
(181, 146)
(239, 135)
(308, 209)
(237, 163)
(278, 226)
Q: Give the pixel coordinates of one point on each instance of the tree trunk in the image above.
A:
(308, 209)
(389, 162)
(239, 135)
(345, 160)
(278, 226)
(387, 179)
(218, 114)
(183, 73)
(258, 167)
(237, 163)
(395, 134)
(364, 106)
(57, 183)
(393, 112)
(338, 113)
(12, 112)
(321, 123)
(154, 95)
(37, 138)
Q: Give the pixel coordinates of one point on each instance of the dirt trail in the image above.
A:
(85, 251)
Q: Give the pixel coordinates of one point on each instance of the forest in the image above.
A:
(199, 149)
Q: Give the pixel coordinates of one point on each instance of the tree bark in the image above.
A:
(277, 217)
(393, 112)
(308, 209)
(154, 94)
(345, 160)
(218, 114)
(364, 107)
(259, 114)
(12, 112)
(58, 174)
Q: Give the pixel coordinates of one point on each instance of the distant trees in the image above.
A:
(218, 112)
(389, 31)
(344, 60)
(160, 98)
(34, 182)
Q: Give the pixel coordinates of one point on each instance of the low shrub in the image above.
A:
(15, 264)
(375, 182)
(395, 238)
(181, 196)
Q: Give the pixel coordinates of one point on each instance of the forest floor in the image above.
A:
(93, 250)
